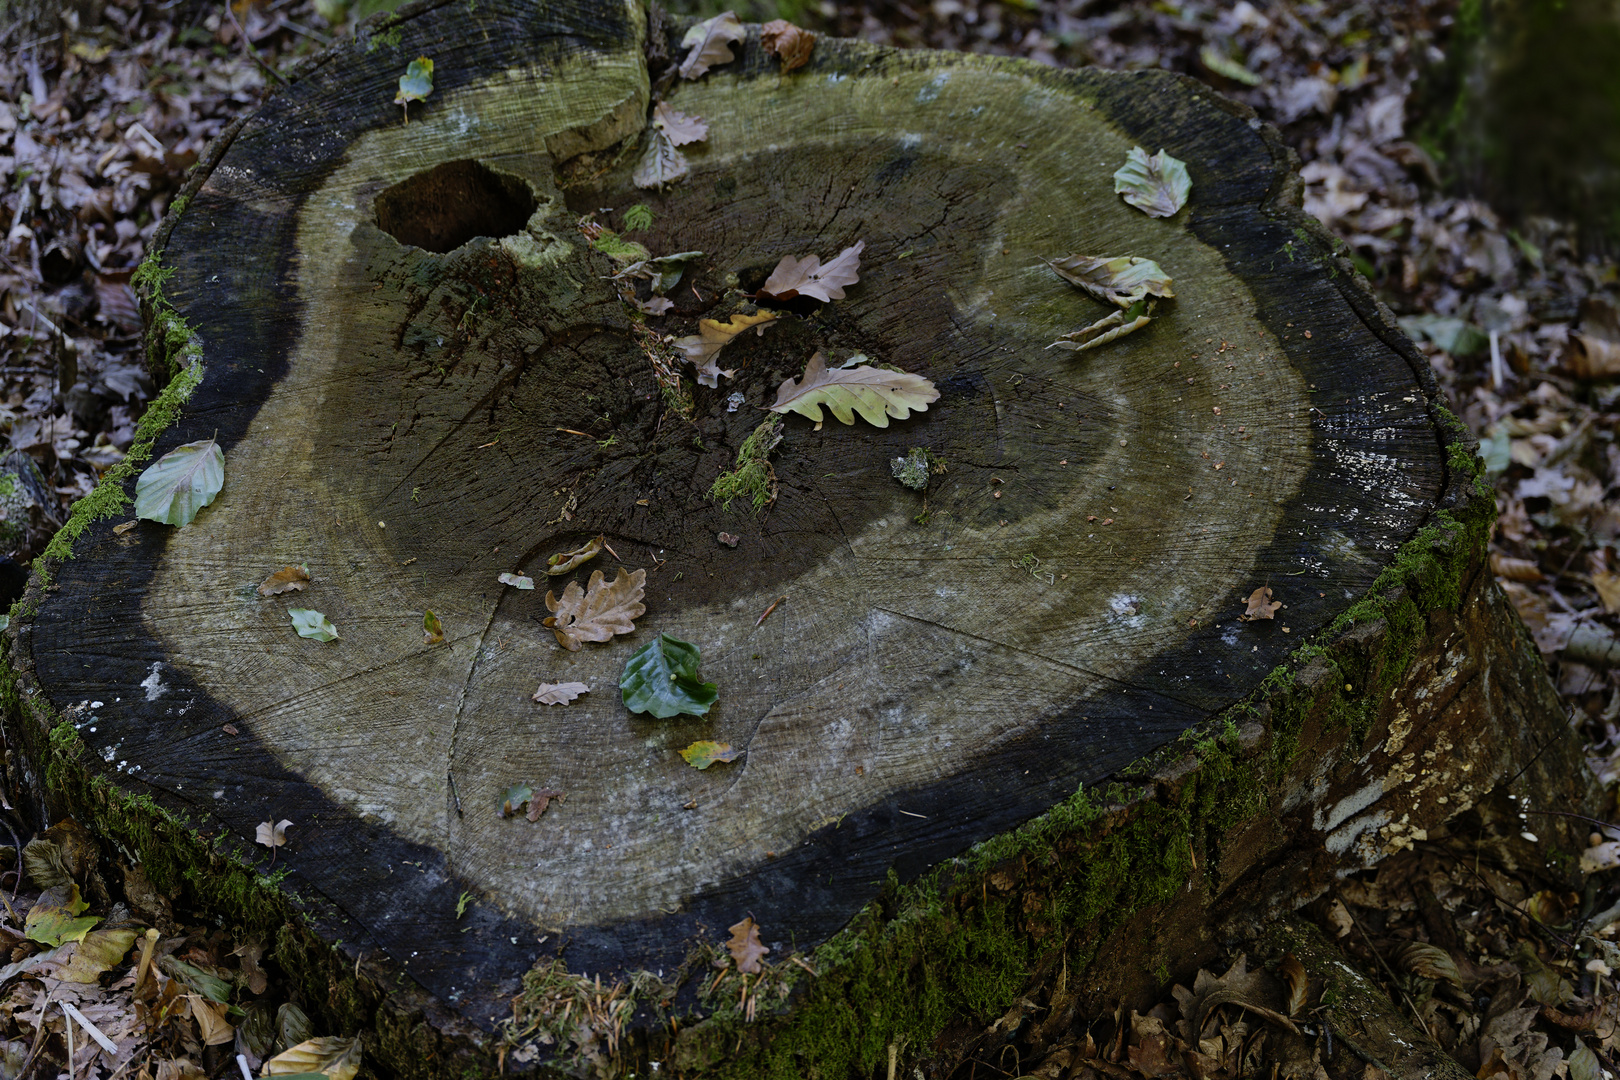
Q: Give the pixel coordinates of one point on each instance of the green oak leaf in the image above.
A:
(1157, 185)
(312, 624)
(180, 483)
(662, 679)
(415, 85)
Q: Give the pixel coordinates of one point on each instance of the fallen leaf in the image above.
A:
(661, 678)
(1339, 917)
(1109, 328)
(807, 277)
(661, 163)
(57, 917)
(1122, 281)
(656, 305)
(415, 85)
(517, 581)
(1261, 605)
(1158, 185)
(123, 527)
(1226, 68)
(432, 629)
(1515, 569)
(520, 795)
(312, 624)
(540, 800)
(559, 693)
(709, 43)
(338, 1059)
(1293, 973)
(1239, 986)
(712, 336)
(745, 947)
(678, 127)
(597, 612)
(792, 44)
(287, 579)
(273, 835)
(566, 561)
(728, 539)
(1592, 357)
(1608, 589)
(1428, 961)
(176, 486)
(875, 393)
(210, 1017)
(96, 954)
(702, 754)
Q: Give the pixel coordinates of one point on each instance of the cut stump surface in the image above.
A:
(423, 377)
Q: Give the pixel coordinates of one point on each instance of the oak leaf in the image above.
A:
(1261, 605)
(710, 43)
(875, 393)
(1121, 281)
(559, 693)
(287, 579)
(808, 277)
(1157, 185)
(745, 947)
(791, 43)
(678, 127)
(564, 561)
(597, 612)
(702, 754)
(703, 347)
(1239, 986)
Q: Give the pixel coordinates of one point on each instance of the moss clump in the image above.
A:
(916, 467)
(619, 249)
(753, 477)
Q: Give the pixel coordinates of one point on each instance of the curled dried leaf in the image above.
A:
(1157, 185)
(1122, 281)
(517, 581)
(704, 347)
(678, 127)
(1293, 973)
(792, 44)
(597, 612)
(875, 393)
(661, 164)
(338, 1059)
(1261, 605)
(1428, 961)
(565, 561)
(273, 835)
(709, 44)
(559, 693)
(287, 579)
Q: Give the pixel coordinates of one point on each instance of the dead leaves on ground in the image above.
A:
(287, 579)
(1121, 281)
(745, 947)
(875, 393)
(337, 1059)
(663, 163)
(702, 754)
(565, 561)
(709, 44)
(1261, 605)
(559, 693)
(519, 796)
(1157, 185)
(597, 612)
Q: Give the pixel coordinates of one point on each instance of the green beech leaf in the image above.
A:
(662, 679)
(54, 918)
(1156, 185)
(180, 483)
(415, 85)
(312, 624)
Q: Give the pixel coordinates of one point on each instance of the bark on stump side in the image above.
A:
(396, 331)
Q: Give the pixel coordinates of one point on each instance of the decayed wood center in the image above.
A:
(424, 378)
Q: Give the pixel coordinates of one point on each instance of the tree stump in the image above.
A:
(1011, 723)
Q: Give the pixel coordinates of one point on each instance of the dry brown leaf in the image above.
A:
(745, 947)
(678, 127)
(210, 1017)
(1339, 916)
(1428, 961)
(712, 336)
(1515, 569)
(1608, 590)
(1590, 357)
(597, 612)
(661, 164)
(1293, 973)
(565, 561)
(273, 835)
(876, 393)
(559, 693)
(1261, 605)
(709, 43)
(287, 579)
(807, 277)
(1120, 281)
(793, 44)
(1239, 986)
(338, 1058)
(539, 800)
(653, 305)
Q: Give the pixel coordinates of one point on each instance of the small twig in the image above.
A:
(90, 1029)
(247, 46)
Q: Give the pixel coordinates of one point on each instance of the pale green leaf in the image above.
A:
(432, 629)
(337, 1059)
(99, 952)
(180, 483)
(312, 624)
(55, 917)
(1226, 67)
(1124, 281)
(417, 82)
(1157, 185)
(875, 393)
(662, 679)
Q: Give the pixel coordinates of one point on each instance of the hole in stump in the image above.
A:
(448, 205)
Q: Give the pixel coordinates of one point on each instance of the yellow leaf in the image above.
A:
(338, 1058)
(712, 336)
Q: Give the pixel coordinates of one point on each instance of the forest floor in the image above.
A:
(104, 105)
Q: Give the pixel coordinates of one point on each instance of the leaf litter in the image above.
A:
(709, 44)
(1157, 185)
(598, 612)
